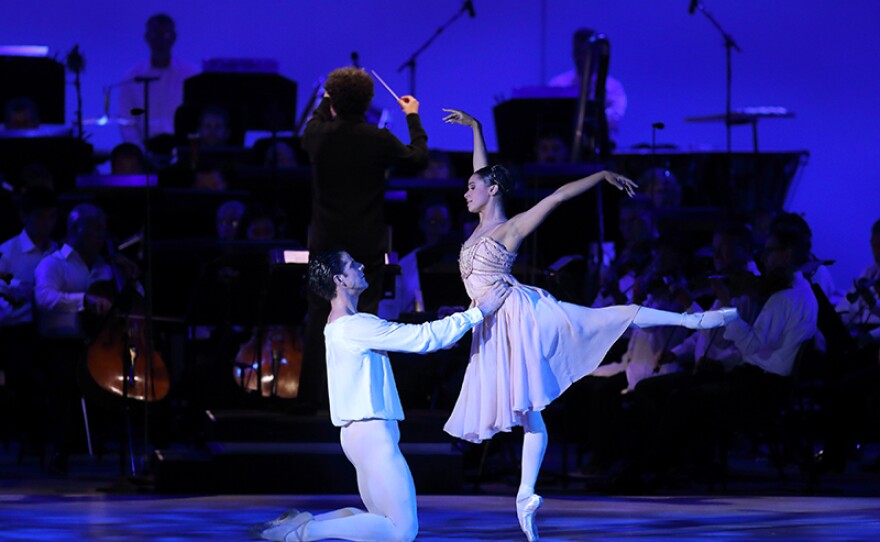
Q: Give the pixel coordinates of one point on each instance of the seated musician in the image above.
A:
(19, 257)
(62, 297)
(852, 397)
(21, 114)
(768, 344)
(859, 309)
(615, 97)
(127, 159)
(440, 246)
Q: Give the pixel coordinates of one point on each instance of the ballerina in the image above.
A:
(534, 347)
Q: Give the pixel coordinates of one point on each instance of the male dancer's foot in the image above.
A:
(285, 528)
(526, 508)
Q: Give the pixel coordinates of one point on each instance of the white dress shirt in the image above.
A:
(166, 95)
(787, 319)
(62, 279)
(359, 378)
(19, 257)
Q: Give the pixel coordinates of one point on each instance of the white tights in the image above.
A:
(534, 430)
(534, 446)
(385, 485)
(647, 317)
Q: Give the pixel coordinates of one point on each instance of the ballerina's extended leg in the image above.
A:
(648, 317)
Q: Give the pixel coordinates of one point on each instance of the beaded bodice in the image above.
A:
(486, 256)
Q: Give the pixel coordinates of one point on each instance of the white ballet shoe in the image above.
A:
(709, 319)
(288, 527)
(256, 530)
(525, 512)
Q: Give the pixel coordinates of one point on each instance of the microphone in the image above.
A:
(146, 78)
(355, 59)
(658, 125)
(107, 102)
(469, 6)
(693, 7)
(75, 61)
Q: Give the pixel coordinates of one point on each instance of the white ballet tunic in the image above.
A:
(359, 377)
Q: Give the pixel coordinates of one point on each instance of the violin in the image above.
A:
(865, 289)
(272, 356)
(15, 303)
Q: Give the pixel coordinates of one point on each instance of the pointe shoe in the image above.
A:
(285, 528)
(256, 530)
(709, 319)
(525, 513)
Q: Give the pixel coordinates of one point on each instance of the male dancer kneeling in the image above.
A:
(365, 404)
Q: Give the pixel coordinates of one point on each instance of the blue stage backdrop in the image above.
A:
(815, 57)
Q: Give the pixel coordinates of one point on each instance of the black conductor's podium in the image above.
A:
(520, 122)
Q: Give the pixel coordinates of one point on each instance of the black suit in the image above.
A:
(350, 159)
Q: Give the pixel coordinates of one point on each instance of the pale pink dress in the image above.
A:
(529, 352)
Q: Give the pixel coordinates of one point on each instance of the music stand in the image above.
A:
(64, 157)
(267, 101)
(746, 116)
(38, 78)
(520, 122)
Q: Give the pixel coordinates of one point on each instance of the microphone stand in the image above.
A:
(149, 381)
(148, 257)
(145, 81)
(411, 62)
(596, 62)
(77, 64)
(729, 44)
(654, 127)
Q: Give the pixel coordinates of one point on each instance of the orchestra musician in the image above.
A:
(19, 257)
(62, 297)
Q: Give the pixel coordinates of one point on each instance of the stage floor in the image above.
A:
(756, 506)
(467, 517)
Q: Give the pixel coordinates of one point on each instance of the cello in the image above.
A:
(117, 356)
(272, 356)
